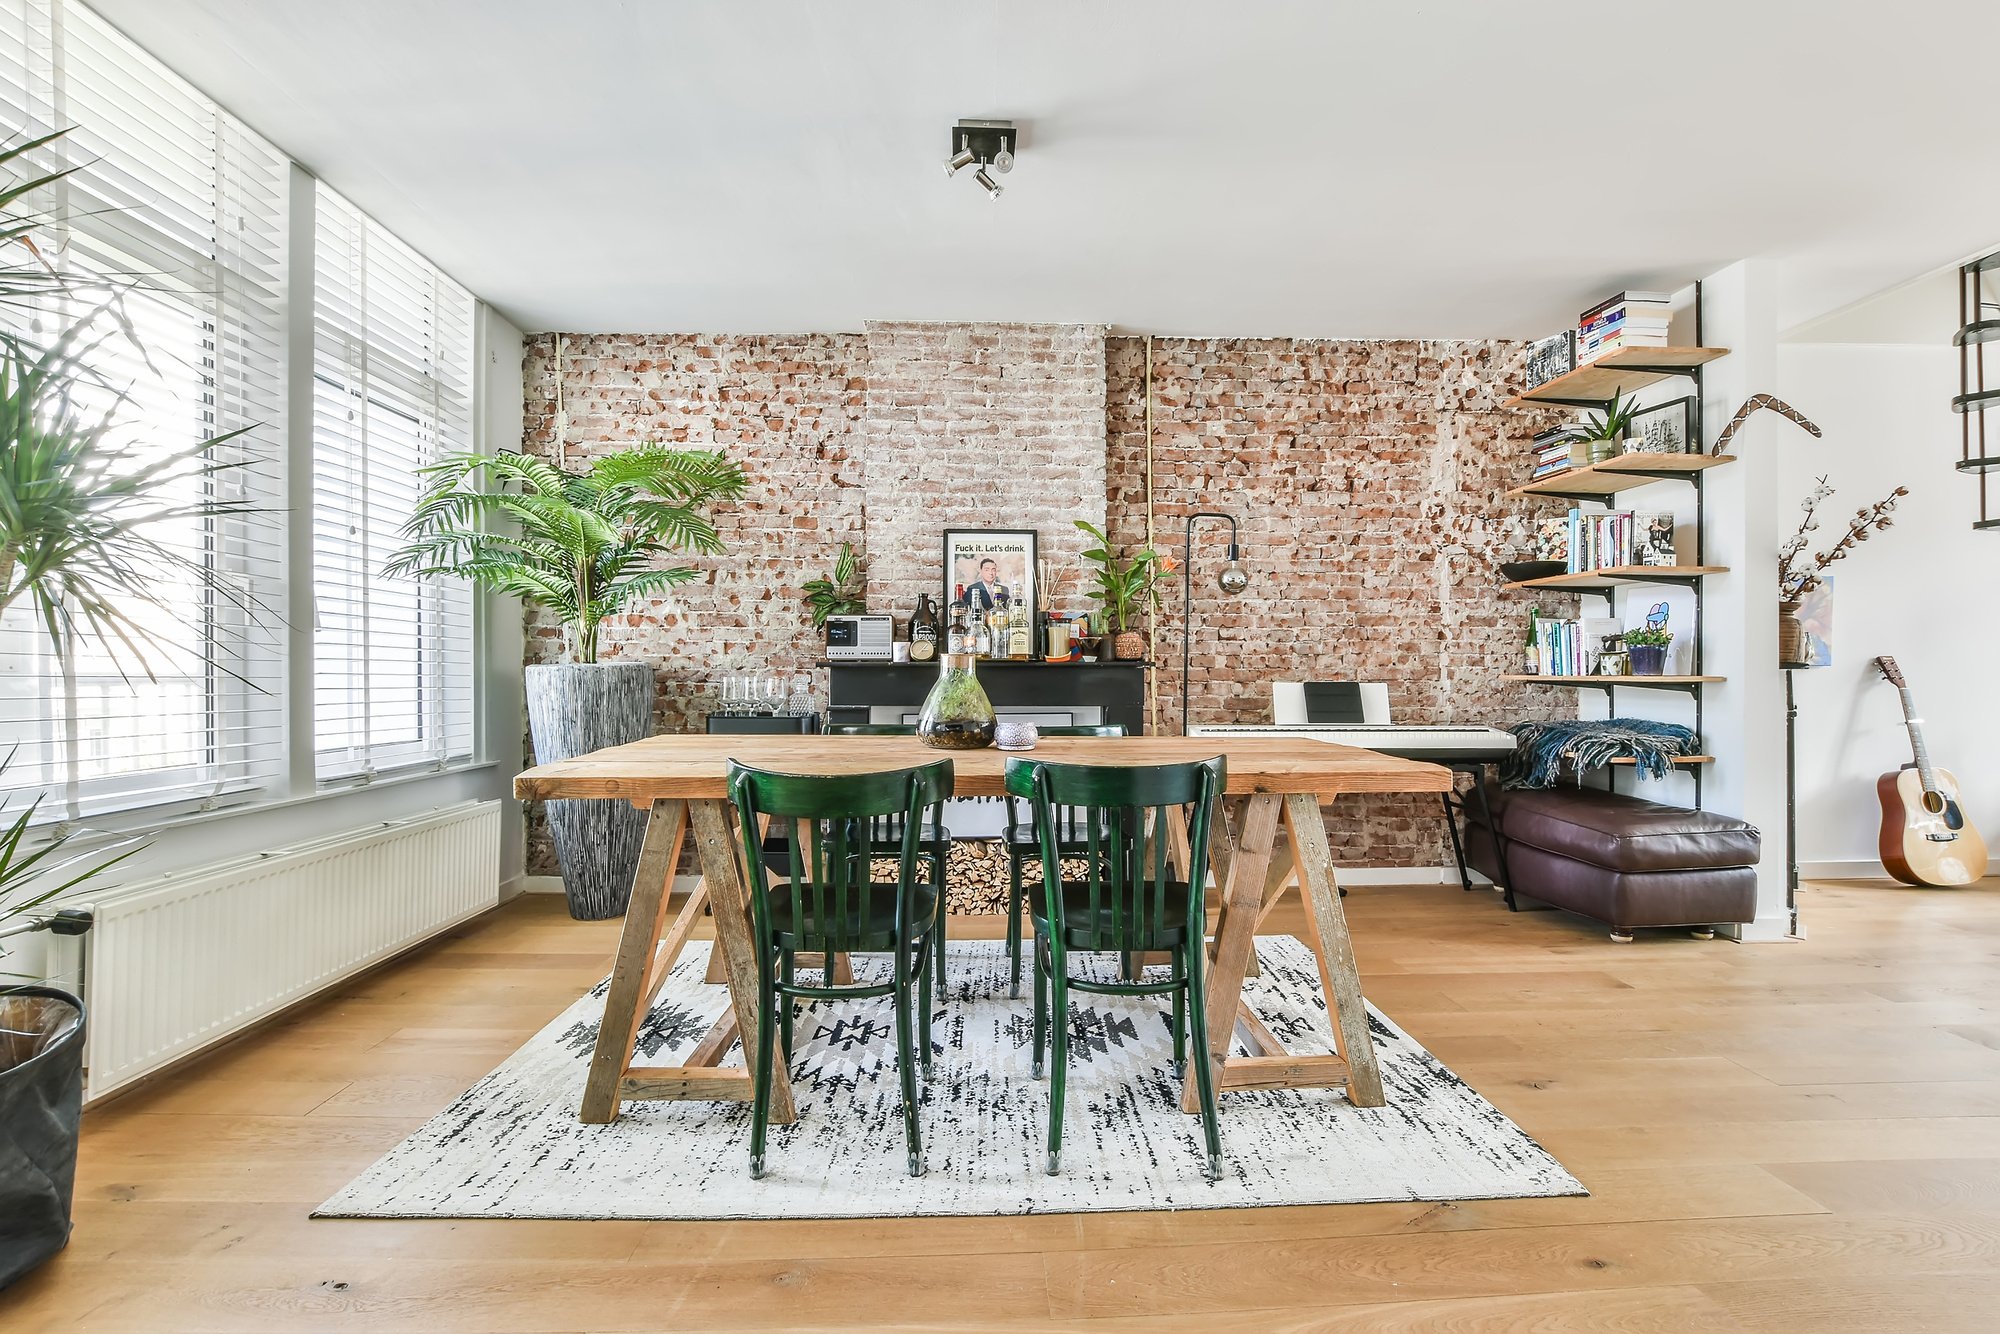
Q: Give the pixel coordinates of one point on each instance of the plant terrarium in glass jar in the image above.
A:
(956, 715)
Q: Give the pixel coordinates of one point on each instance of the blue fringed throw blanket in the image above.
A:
(1545, 747)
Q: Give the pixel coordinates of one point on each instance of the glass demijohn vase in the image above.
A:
(957, 715)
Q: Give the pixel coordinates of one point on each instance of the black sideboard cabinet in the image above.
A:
(1052, 694)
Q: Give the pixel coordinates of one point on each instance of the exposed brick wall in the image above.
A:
(787, 407)
(1368, 479)
(978, 426)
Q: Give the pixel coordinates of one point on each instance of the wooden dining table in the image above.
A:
(1275, 786)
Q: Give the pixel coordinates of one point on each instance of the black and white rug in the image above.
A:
(511, 1146)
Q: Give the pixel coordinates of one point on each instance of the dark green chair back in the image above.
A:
(1120, 902)
(826, 824)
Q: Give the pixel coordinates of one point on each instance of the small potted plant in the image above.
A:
(836, 594)
(1605, 434)
(1647, 646)
(1123, 588)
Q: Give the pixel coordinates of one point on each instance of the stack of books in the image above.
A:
(1553, 454)
(1630, 319)
(1572, 648)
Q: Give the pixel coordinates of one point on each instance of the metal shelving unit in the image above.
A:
(1594, 386)
(1979, 324)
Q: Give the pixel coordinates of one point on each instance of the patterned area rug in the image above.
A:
(511, 1146)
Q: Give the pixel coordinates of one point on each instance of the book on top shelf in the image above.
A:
(1662, 299)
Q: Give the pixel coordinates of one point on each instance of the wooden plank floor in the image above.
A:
(1778, 1137)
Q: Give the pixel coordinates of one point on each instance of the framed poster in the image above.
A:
(1663, 428)
(986, 560)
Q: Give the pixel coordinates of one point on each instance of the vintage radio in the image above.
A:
(860, 638)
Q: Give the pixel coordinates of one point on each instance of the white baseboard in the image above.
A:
(1858, 868)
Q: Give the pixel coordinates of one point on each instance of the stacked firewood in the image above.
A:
(976, 875)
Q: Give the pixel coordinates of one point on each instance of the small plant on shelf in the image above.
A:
(1604, 432)
(837, 594)
(1124, 587)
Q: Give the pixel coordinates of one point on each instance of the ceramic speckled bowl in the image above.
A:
(1015, 735)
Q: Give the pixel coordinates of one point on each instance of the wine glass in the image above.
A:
(774, 693)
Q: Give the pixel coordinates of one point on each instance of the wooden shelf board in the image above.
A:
(1619, 574)
(1617, 373)
(1620, 474)
(1615, 680)
(1682, 759)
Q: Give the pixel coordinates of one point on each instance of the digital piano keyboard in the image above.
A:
(1440, 744)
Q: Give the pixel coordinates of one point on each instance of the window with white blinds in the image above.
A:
(392, 392)
(186, 208)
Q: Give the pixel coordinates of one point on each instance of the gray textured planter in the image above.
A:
(573, 709)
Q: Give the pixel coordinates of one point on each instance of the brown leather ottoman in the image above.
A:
(1622, 860)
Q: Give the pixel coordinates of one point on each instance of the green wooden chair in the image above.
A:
(1024, 845)
(1121, 905)
(888, 831)
(831, 905)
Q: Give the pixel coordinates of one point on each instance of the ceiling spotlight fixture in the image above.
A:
(989, 143)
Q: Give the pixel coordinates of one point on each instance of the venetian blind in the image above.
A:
(175, 216)
(392, 392)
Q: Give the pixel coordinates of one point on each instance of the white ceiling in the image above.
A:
(1438, 168)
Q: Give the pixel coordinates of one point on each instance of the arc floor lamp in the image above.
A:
(1233, 579)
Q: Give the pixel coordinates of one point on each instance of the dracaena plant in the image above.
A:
(93, 523)
(1123, 586)
(34, 874)
(584, 544)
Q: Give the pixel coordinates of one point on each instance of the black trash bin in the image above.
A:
(41, 1104)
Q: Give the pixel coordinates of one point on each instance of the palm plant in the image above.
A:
(583, 544)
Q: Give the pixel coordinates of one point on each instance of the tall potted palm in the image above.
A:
(585, 544)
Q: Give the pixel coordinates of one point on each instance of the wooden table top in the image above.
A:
(668, 767)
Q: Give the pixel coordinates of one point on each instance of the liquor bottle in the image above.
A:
(1531, 655)
(1020, 632)
(982, 632)
(960, 639)
(923, 630)
(996, 623)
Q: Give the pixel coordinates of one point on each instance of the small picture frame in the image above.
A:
(1550, 357)
(1654, 538)
(987, 559)
(1663, 428)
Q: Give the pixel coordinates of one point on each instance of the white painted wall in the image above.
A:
(1921, 592)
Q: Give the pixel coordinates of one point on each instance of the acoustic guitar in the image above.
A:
(1926, 839)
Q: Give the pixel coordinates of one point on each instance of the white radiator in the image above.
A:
(177, 963)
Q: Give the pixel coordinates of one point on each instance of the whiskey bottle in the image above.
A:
(960, 639)
(1020, 632)
(923, 631)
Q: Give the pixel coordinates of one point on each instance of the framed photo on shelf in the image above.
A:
(987, 560)
(1663, 428)
(1550, 357)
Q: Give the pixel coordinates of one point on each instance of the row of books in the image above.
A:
(1630, 319)
(1572, 648)
(1602, 541)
